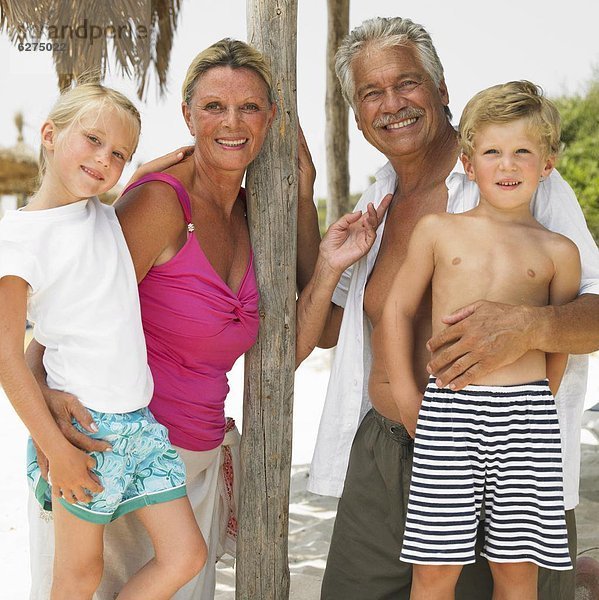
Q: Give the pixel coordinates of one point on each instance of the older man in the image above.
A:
(392, 77)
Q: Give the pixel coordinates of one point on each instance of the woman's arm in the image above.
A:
(346, 241)
(316, 316)
(308, 234)
(161, 163)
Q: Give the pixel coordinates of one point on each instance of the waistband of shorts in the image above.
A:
(141, 416)
(392, 428)
(541, 385)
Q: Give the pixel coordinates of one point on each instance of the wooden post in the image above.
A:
(336, 109)
(262, 571)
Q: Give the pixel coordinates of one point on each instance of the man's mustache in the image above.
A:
(409, 112)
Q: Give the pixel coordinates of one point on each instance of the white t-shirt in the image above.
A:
(83, 301)
(555, 206)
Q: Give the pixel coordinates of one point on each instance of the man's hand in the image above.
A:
(351, 237)
(481, 338)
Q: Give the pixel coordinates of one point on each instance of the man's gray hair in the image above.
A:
(379, 33)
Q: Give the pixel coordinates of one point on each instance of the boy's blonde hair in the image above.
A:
(73, 104)
(227, 53)
(509, 102)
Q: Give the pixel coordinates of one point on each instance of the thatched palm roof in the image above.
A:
(141, 31)
(18, 165)
(18, 170)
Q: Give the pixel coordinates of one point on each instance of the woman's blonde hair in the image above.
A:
(509, 102)
(227, 53)
(73, 104)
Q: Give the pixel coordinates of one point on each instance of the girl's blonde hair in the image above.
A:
(73, 104)
(509, 102)
(227, 53)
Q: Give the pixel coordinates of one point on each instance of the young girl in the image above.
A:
(64, 265)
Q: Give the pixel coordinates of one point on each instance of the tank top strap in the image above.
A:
(181, 192)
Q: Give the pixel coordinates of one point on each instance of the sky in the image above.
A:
(554, 44)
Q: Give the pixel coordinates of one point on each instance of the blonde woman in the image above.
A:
(187, 233)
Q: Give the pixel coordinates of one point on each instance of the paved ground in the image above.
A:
(587, 513)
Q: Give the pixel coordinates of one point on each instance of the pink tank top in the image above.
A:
(195, 329)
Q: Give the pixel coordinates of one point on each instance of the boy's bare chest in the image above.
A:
(492, 264)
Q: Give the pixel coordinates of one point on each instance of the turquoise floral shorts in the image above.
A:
(142, 469)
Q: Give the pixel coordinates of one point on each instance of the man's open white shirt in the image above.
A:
(554, 206)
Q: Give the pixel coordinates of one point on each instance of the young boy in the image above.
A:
(495, 443)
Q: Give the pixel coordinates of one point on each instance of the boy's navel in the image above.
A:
(531, 273)
(456, 261)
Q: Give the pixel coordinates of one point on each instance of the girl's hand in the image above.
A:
(306, 170)
(71, 476)
(161, 163)
(351, 237)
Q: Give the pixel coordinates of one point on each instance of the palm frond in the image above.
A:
(139, 32)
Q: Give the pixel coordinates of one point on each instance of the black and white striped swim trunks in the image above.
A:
(497, 446)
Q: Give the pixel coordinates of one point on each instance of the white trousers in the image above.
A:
(127, 546)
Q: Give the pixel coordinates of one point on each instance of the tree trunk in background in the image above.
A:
(262, 571)
(336, 129)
